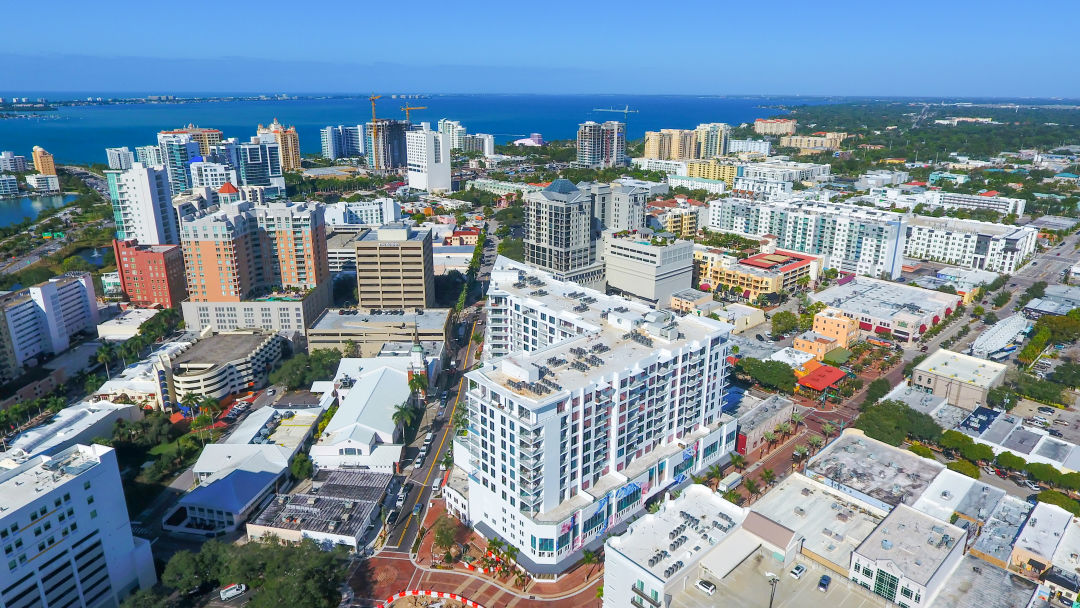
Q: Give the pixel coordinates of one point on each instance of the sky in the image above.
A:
(715, 47)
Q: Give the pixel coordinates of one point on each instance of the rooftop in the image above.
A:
(918, 400)
(779, 261)
(832, 525)
(78, 422)
(878, 470)
(764, 412)
(29, 480)
(680, 533)
(220, 349)
(1044, 530)
(999, 530)
(977, 584)
(952, 492)
(343, 319)
(344, 240)
(822, 378)
(914, 542)
(369, 391)
(970, 226)
(884, 299)
(962, 368)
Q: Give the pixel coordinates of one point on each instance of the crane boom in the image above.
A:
(626, 111)
(374, 134)
(406, 108)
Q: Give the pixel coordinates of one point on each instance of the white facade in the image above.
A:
(428, 158)
(785, 171)
(142, 205)
(636, 266)
(9, 161)
(119, 159)
(342, 141)
(760, 146)
(938, 199)
(479, 142)
(601, 146)
(212, 175)
(970, 243)
(43, 183)
(224, 364)
(149, 156)
(9, 185)
(855, 239)
(454, 132)
(41, 319)
(377, 212)
(177, 150)
(66, 534)
(712, 186)
(671, 167)
(764, 188)
(586, 406)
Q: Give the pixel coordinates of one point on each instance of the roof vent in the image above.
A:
(886, 544)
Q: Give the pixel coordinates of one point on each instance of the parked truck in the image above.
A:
(233, 590)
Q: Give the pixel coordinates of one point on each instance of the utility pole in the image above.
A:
(773, 580)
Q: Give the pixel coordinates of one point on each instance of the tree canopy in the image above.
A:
(303, 369)
(892, 422)
(771, 374)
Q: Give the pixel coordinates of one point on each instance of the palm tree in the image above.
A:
(209, 404)
(698, 479)
(495, 546)
(418, 384)
(105, 354)
(190, 401)
(732, 496)
(769, 438)
(801, 452)
(797, 418)
(738, 461)
(752, 488)
(714, 473)
(351, 349)
(768, 477)
(588, 558)
(828, 429)
(784, 428)
(404, 414)
(816, 441)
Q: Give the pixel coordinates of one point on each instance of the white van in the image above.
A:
(234, 590)
(427, 439)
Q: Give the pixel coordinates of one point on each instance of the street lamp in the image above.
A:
(773, 580)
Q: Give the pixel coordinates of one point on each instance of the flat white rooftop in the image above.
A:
(915, 542)
(1044, 530)
(878, 470)
(884, 299)
(41, 474)
(977, 372)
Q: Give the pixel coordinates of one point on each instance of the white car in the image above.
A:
(706, 587)
(797, 572)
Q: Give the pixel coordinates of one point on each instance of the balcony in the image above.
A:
(640, 593)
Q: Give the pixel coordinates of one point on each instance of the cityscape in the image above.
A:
(419, 347)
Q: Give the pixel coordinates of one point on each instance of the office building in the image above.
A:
(9, 185)
(902, 312)
(394, 268)
(342, 141)
(616, 206)
(206, 138)
(352, 215)
(711, 139)
(142, 205)
(10, 162)
(428, 157)
(149, 156)
(225, 363)
(724, 170)
(671, 144)
(759, 146)
(212, 175)
(671, 167)
(454, 132)
(647, 268)
(854, 239)
(43, 183)
(605, 405)
(66, 532)
(256, 265)
(559, 233)
(963, 380)
(385, 144)
(119, 159)
(970, 243)
(41, 319)
(288, 143)
(177, 149)
(151, 275)
(775, 126)
(600, 146)
(43, 161)
(816, 143)
(370, 332)
(479, 142)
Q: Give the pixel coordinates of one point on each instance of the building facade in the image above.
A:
(142, 205)
(43, 183)
(9, 161)
(647, 269)
(342, 141)
(9, 185)
(970, 243)
(203, 136)
(428, 159)
(559, 233)
(775, 126)
(288, 142)
(43, 161)
(601, 146)
(119, 159)
(385, 144)
(177, 149)
(395, 269)
(149, 156)
(151, 275)
(963, 380)
(225, 364)
(724, 170)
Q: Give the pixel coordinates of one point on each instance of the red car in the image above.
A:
(1001, 474)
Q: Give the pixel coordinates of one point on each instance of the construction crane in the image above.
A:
(626, 112)
(407, 108)
(374, 134)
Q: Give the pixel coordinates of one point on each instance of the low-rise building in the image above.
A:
(775, 126)
(760, 146)
(283, 310)
(9, 185)
(741, 317)
(963, 380)
(341, 328)
(671, 167)
(764, 274)
(885, 308)
(502, 188)
(1034, 548)
(647, 267)
(969, 243)
(81, 422)
(712, 186)
(43, 184)
(760, 419)
(126, 325)
(814, 143)
(764, 189)
(225, 364)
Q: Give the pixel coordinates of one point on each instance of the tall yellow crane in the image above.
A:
(374, 134)
(407, 108)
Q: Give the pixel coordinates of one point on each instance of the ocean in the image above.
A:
(81, 134)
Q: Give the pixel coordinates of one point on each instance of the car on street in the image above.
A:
(1031, 485)
(760, 338)
(1056, 433)
(1001, 474)
(706, 587)
(797, 572)
(823, 583)
(416, 509)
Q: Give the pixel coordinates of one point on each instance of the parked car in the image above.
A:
(1045, 409)
(706, 587)
(823, 583)
(1001, 474)
(1056, 433)
(797, 572)
(760, 338)
(1031, 485)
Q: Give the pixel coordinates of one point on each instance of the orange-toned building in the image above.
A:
(288, 141)
(43, 161)
(463, 237)
(204, 137)
(831, 330)
(151, 275)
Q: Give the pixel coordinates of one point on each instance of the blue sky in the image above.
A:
(828, 47)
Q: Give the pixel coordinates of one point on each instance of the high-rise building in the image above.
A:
(428, 157)
(342, 141)
(288, 141)
(721, 169)
(204, 137)
(43, 161)
(559, 233)
(592, 413)
(385, 144)
(760, 146)
(66, 532)
(861, 240)
(711, 139)
(395, 268)
(601, 145)
(671, 144)
(970, 243)
(142, 205)
(647, 269)
(149, 156)
(11, 162)
(827, 141)
(151, 274)
(211, 175)
(119, 159)
(479, 142)
(255, 265)
(255, 163)
(454, 132)
(41, 320)
(178, 149)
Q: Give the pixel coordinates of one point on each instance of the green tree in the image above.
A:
(964, 467)
(105, 354)
(184, 572)
(738, 461)
(444, 532)
(301, 466)
(772, 374)
(1057, 498)
(752, 488)
(783, 322)
(921, 450)
(404, 414)
(892, 422)
(768, 477)
(954, 441)
(590, 559)
(1010, 461)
